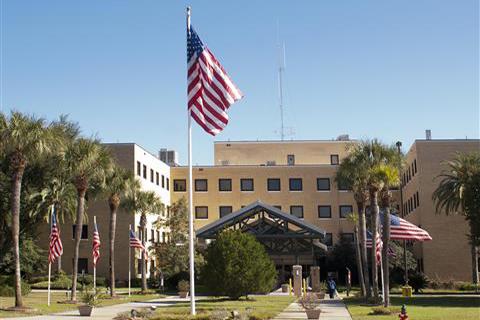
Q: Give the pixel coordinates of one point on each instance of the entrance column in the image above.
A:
(297, 280)
(315, 276)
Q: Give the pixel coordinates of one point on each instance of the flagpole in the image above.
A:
(94, 264)
(49, 263)
(190, 200)
(129, 259)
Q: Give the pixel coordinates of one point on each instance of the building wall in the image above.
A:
(260, 152)
(447, 256)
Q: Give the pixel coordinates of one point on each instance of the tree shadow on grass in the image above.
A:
(447, 301)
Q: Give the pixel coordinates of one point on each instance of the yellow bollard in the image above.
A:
(290, 286)
(304, 282)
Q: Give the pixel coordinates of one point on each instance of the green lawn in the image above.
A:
(422, 308)
(38, 300)
(262, 307)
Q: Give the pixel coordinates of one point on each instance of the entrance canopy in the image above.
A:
(281, 233)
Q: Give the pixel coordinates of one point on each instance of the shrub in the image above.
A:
(183, 286)
(465, 286)
(7, 288)
(237, 265)
(418, 281)
(381, 311)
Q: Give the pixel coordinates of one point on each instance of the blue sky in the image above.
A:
(386, 69)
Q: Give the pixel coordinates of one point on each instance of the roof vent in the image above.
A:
(428, 134)
(343, 137)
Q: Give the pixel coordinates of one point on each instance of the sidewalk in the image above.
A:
(332, 309)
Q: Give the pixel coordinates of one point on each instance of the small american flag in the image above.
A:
(401, 229)
(56, 247)
(136, 243)
(210, 89)
(96, 245)
(390, 251)
(379, 244)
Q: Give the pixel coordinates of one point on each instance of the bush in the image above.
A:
(418, 281)
(465, 286)
(237, 264)
(381, 311)
(183, 286)
(7, 286)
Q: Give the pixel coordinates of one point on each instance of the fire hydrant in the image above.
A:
(403, 313)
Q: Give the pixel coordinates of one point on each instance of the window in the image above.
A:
(224, 210)
(139, 168)
(278, 207)
(296, 184)
(415, 165)
(82, 265)
(418, 199)
(163, 181)
(291, 159)
(328, 239)
(224, 184)
(157, 178)
(273, 184)
(415, 201)
(164, 237)
(246, 184)
(296, 211)
(348, 237)
(201, 212)
(152, 235)
(334, 159)
(413, 170)
(144, 172)
(179, 185)
(324, 212)
(151, 175)
(84, 234)
(342, 186)
(323, 184)
(158, 236)
(168, 184)
(345, 211)
(139, 266)
(201, 185)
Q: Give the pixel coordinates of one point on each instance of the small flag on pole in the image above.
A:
(379, 244)
(390, 251)
(56, 247)
(136, 243)
(95, 245)
(210, 89)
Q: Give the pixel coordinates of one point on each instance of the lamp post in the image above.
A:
(405, 276)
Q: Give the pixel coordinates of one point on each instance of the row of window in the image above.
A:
(247, 184)
(323, 211)
(155, 235)
(412, 203)
(155, 177)
(410, 173)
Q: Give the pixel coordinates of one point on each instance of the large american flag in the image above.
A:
(136, 243)
(210, 89)
(56, 247)
(401, 229)
(95, 245)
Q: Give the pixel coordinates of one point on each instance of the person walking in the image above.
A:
(332, 287)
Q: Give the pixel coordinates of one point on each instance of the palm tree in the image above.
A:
(23, 139)
(116, 188)
(88, 163)
(143, 203)
(459, 193)
(352, 173)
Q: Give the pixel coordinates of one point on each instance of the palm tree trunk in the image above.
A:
(15, 203)
(143, 220)
(78, 234)
(474, 263)
(374, 226)
(359, 262)
(385, 258)
(113, 227)
(363, 249)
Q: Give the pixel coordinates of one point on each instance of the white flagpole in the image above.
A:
(49, 263)
(95, 265)
(190, 201)
(129, 260)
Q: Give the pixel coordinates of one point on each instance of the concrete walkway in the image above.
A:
(109, 312)
(332, 309)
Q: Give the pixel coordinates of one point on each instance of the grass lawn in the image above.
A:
(262, 307)
(422, 308)
(38, 300)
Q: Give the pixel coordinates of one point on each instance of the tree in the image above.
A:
(459, 193)
(237, 265)
(143, 203)
(116, 188)
(88, 163)
(23, 139)
(342, 257)
(352, 174)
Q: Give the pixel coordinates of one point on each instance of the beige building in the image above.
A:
(298, 177)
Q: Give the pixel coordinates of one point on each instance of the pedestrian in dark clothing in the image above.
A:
(332, 287)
